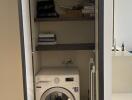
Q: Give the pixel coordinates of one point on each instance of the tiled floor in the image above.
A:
(122, 96)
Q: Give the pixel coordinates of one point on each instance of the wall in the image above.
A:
(11, 81)
(123, 30)
(71, 31)
(122, 64)
(122, 74)
(108, 30)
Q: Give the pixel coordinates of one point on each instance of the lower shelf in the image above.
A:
(81, 46)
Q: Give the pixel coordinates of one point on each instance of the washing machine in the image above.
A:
(57, 84)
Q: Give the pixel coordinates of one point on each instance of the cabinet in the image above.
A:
(75, 40)
(89, 44)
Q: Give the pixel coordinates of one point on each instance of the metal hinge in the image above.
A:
(33, 52)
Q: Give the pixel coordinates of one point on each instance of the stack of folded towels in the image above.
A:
(88, 10)
(46, 39)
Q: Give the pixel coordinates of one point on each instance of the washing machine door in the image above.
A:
(57, 94)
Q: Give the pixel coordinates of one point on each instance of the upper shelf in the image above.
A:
(64, 19)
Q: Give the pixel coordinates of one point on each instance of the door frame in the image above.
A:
(22, 49)
(22, 40)
(100, 48)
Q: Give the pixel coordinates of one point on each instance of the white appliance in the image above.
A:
(58, 84)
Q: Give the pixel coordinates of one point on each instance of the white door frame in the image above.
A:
(26, 48)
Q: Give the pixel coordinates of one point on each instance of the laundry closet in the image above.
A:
(66, 38)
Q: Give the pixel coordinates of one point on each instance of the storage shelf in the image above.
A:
(64, 19)
(81, 46)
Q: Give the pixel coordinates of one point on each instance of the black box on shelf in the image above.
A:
(46, 8)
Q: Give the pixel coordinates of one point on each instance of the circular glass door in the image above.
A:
(57, 94)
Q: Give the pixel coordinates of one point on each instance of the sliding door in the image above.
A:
(25, 27)
(104, 29)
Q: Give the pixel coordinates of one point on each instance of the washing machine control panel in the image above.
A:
(76, 89)
(56, 80)
(69, 79)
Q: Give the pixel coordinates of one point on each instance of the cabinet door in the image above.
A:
(104, 29)
(97, 52)
(25, 27)
(11, 82)
(108, 30)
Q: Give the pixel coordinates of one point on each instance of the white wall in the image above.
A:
(123, 32)
(11, 81)
(122, 74)
(108, 27)
(123, 29)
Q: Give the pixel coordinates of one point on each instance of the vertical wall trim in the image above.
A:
(30, 23)
(22, 49)
(30, 14)
(113, 40)
(101, 48)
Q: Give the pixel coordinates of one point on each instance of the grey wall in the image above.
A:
(11, 81)
(123, 27)
(71, 31)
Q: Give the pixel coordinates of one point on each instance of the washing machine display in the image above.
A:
(57, 94)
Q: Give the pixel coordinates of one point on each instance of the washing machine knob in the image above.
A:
(57, 80)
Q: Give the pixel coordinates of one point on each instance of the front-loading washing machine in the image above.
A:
(57, 84)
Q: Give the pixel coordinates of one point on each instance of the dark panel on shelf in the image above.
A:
(65, 19)
(83, 46)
